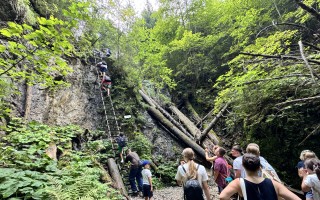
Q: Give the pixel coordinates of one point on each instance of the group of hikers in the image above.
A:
(250, 177)
(139, 170)
(103, 73)
(253, 177)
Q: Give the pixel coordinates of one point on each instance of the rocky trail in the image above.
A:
(176, 193)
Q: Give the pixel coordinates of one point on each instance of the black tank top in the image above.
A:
(262, 191)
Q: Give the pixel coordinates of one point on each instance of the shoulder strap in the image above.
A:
(186, 171)
(243, 188)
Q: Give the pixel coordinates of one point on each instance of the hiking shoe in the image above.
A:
(140, 194)
(135, 193)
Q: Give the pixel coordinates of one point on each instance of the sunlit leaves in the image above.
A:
(38, 50)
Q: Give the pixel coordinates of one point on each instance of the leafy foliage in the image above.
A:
(141, 145)
(27, 171)
(35, 54)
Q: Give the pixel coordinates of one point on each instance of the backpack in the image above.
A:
(121, 141)
(270, 175)
(267, 171)
(192, 188)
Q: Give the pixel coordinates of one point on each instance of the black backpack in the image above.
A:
(192, 188)
(121, 141)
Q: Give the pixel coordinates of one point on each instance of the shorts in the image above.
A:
(120, 149)
(220, 188)
(147, 191)
(108, 84)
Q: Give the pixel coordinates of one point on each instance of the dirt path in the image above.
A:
(176, 193)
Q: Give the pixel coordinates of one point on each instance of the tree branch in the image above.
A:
(274, 78)
(284, 24)
(298, 100)
(310, 10)
(313, 132)
(307, 63)
(282, 57)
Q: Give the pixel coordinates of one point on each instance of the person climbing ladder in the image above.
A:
(103, 67)
(122, 142)
(106, 83)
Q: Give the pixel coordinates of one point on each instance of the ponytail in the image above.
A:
(189, 157)
(192, 170)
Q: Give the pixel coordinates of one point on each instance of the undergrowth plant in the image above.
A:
(27, 172)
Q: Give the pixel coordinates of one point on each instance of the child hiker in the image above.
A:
(147, 180)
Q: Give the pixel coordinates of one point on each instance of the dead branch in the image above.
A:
(282, 57)
(306, 62)
(186, 121)
(205, 117)
(274, 24)
(309, 9)
(164, 112)
(298, 100)
(212, 123)
(313, 132)
(275, 78)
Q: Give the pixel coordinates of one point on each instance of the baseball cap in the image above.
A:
(145, 162)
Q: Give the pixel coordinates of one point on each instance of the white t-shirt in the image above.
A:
(237, 165)
(313, 182)
(181, 175)
(146, 173)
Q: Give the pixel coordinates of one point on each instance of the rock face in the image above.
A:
(162, 141)
(12, 10)
(78, 104)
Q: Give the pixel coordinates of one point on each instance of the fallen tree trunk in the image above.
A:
(164, 112)
(194, 114)
(116, 176)
(212, 123)
(213, 137)
(146, 98)
(157, 114)
(205, 117)
(186, 121)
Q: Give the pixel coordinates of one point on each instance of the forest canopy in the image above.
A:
(258, 56)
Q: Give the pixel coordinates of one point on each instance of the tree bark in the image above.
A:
(186, 121)
(27, 105)
(158, 115)
(164, 112)
(147, 98)
(193, 112)
(116, 176)
(212, 123)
